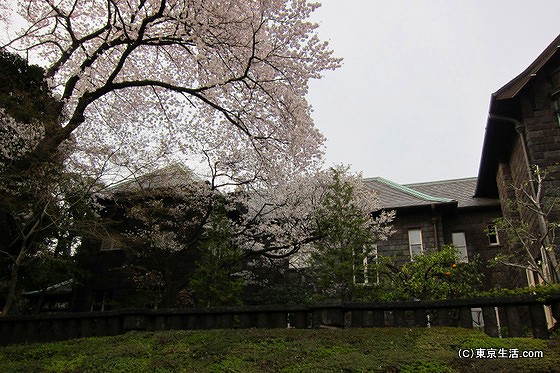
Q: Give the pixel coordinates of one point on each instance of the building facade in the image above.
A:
(433, 214)
(520, 160)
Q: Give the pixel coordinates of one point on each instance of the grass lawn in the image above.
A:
(285, 350)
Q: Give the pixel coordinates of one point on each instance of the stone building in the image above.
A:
(430, 215)
(134, 262)
(523, 136)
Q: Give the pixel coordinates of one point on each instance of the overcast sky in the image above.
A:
(411, 100)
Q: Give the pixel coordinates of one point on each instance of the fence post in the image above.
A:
(443, 317)
(465, 317)
(134, 321)
(420, 317)
(399, 318)
(279, 320)
(358, 318)
(332, 316)
(6, 332)
(378, 318)
(263, 320)
(513, 321)
(538, 321)
(298, 319)
(245, 320)
(490, 321)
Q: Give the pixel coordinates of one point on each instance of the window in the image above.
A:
(415, 242)
(556, 107)
(532, 277)
(492, 234)
(460, 243)
(477, 318)
(367, 272)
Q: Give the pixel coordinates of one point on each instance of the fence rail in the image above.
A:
(507, 317)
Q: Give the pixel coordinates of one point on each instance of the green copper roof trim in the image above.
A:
(412, 192)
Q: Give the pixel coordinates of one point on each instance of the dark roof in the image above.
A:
(174, 175)
(393, 195)
(460, 190)
(64, 287)
(513, 87)
(457, 192)
(503, 116)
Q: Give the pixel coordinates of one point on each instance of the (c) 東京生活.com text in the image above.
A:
(499, 353)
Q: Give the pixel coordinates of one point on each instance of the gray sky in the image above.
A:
(411, 100)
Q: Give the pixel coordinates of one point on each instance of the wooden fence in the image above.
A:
(498, 317)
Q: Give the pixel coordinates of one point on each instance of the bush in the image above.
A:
(435, 275)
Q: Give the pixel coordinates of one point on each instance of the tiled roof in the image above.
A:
(459, 192)
(393, 195)
(174, 175)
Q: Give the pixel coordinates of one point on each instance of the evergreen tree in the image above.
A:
(348, 239)
(214, 282)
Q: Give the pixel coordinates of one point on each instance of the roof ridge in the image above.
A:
(410, 191)
(440, 181)
(514, 86)
(137, 180)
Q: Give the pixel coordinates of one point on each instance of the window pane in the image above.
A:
(415, 242)
(415, 237)
(492, 235)
(415, 250)
(460, 243)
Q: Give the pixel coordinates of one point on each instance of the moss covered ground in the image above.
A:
(288, 351)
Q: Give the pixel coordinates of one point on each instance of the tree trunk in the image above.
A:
(14, 276)
(11, 289)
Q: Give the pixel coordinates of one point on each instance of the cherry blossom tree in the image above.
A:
(287, 213)
(192, 79)
(176, 219)
(288, 224)
(220, 84)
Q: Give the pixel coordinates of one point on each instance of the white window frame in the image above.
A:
(370, 258)
(460, 242)
(532, 277)
(415, 242)
(492, 231)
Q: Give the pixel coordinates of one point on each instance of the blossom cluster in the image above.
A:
(188, 80)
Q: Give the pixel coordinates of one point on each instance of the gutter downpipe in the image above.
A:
(434, 225)
(520, 129)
